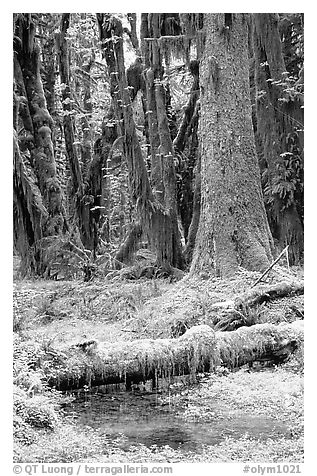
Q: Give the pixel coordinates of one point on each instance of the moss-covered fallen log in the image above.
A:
(234, 314)
(200, 349)
(269, 293)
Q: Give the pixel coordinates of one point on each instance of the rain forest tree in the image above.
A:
(127, 139)
(159, 221)
(86, 193)
(280, 120)
(38, 211)
(233, 229)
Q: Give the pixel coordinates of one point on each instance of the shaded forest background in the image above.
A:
(107, 149)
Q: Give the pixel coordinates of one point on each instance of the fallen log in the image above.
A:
(269, 293)
(233, 314)
(200, 349)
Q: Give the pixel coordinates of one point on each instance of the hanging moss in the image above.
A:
(38, 145)
(192, 27)
(200, 349)
(175, 47)
(30, 214)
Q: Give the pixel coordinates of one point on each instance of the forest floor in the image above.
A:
(50, 316)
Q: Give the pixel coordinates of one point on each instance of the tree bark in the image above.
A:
(154, 72)
(194, 224)
(86, 145)
(200, 349)
(233, 228)
(168, 169)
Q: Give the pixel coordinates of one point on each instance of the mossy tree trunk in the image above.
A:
(153, 73)
(233, 229)
(128, 247)
(86, 143)
(187, 138)
(68, 119)
(29, 213)
(279, 133)
(132, 18)
(155, 219)
(35, 142)
(194, 224)
(86, 195)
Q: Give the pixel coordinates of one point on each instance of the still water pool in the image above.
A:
(140, 417)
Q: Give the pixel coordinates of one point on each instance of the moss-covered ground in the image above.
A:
(49, 316)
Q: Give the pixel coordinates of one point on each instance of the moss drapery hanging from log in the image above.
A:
(199, 349)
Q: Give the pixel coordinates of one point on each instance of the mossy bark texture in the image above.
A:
(233, 227)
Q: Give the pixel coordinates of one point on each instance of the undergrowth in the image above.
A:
(50, 316)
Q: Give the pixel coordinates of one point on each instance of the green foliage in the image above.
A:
(291, 28)
(244, 316)
(68, 259)
(36, 411)
(287, 183)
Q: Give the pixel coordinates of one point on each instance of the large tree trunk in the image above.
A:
(200, 349)
(279, 133)
(156, 221)
(233, 228)
(37, 138)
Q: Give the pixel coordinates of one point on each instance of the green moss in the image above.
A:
(112, 312)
